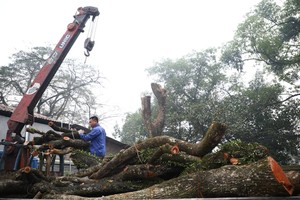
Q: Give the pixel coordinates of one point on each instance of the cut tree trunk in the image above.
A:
(12, 188)
(155, 128)
(260, 179)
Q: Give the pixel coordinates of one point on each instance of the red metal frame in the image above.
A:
(23, 114)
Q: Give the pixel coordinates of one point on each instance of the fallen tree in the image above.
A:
(262, 178)
(158, 167)
(165, 167)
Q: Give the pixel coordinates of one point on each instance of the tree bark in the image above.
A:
(166, 148)
(94, 190)
(155, 128)
(45, 136)
(12, 188)
(66, 132)
(89, 171)
(144, 172)
(67, 142)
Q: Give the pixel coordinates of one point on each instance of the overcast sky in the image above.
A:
(131, 35)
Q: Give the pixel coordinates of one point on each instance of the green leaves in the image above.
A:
(133, 129)
(202, 88)
(269, 34)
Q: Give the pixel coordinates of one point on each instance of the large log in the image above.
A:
(260, 179)
(145, 172)
(102, 188)
(212, 137)
(67, 142)
(12, 188)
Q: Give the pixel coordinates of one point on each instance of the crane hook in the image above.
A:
(88, 45)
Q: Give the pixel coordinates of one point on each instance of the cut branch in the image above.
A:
(155, 128)
(210, 140)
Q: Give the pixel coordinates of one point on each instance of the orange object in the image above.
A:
(234, 161)
(27, 169)
(66, 138)
(280, 175)
(175, 150)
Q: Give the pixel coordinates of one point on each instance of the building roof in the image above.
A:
(7, 111)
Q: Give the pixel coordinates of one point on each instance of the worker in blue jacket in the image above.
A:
(97, 138)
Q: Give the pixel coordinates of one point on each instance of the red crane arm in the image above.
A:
(23, 113)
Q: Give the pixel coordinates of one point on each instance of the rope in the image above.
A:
(95, 29)
(73, 135)
(137, 153)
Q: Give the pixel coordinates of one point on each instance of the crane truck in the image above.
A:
(16, 153)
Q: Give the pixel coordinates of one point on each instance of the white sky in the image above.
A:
(131, 35)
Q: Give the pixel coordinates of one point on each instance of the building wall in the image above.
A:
(4, 128)
(112, 146)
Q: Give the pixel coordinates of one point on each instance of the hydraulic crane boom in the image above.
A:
(23, 114)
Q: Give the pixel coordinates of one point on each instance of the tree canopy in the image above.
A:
(269, 34)
(202, 86)
(68, 95)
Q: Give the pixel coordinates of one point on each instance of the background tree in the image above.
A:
(257, 114)
(264, 110)
(193, 85)
(68, 96)
(133, 129)
(200, 89)
(269, 35)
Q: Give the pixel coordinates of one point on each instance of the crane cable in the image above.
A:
(90, 40)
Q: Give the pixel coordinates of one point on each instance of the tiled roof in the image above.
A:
(7, 111)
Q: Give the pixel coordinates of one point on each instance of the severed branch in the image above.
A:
(45, 136)
(166, 148)
(66, 132)
(67, 142)
(61, 151)
(212, 137)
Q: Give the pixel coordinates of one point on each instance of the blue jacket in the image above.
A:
(97, 136)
